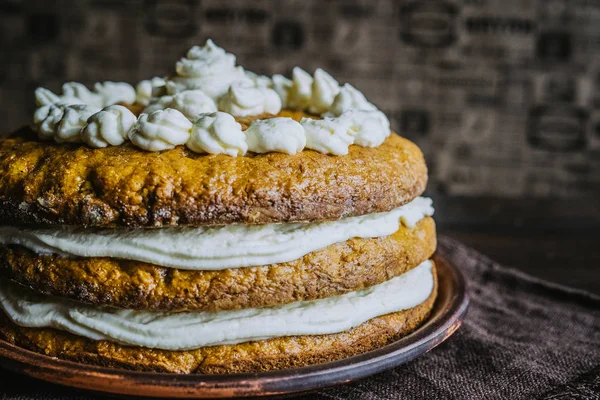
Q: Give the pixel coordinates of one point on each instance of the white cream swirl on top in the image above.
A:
(281, 135)
(333, 135)
(208, 81)
(73, 120)
(214, 247)
(150, 88)
(161, 130)
(328, 136)
(324, 91)
(210, 69)
(217, 133)
(299, 93)
(368, 128)
(349, 98)
(259, 80)
(77, 93)
(242, 100)
(115, 92)
(46, 118)
(105, 94)
(282, 86)
(192, 103)
(109, 127)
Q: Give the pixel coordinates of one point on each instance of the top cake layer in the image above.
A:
(49, 183)
(210, 144)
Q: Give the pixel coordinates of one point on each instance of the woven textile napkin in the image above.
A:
(523, 338)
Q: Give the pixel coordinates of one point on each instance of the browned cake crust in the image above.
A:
(265, 355)
(50, 183)
(337, 269)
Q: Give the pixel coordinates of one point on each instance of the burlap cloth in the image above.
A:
(523, 338)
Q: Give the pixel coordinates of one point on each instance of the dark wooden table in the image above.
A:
(553, 239)
(568, 259)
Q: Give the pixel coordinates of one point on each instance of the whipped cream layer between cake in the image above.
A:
(214, 248)
(191, 330)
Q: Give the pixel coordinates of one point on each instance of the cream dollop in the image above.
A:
(158, 103)
(259, 80)
(44, 97)
(191, 330)
(161, 130)
(299, 94)
(350, 98)
(217, 133)
(104, 94)
(74, 119)
(369, 128)
(108, 127)
(192, 103)
(45, 119)
(115, 92)
(73, 93)
(281, 135)
(207, 80)
(324, 89)
(282, 86)
(242, 101)
(208, 68)
(77, 93)
(328, 135)
(207, 60)
(148, 89)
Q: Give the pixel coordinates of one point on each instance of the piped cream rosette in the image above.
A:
(197, 106)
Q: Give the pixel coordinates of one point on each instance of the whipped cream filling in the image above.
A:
(214, 247)
(191, 330)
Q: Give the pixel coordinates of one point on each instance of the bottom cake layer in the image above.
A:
(263, 355)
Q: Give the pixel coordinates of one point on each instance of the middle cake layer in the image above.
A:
(192, 330)
(216, 247)
(340, 268)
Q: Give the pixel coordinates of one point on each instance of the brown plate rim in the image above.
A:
(447, 316)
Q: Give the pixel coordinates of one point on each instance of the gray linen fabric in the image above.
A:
(523, 338)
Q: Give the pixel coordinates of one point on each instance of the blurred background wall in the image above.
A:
(503, 96)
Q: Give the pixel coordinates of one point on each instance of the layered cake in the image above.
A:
(212, 221)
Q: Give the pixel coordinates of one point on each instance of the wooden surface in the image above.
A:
(554, 239)
(569, 258)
